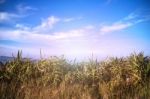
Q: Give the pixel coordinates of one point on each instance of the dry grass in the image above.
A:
(56, 78)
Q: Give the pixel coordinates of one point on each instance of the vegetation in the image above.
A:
(56, 78)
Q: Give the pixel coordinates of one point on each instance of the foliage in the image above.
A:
(57, 78)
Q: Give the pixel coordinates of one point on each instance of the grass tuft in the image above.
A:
(56, 78)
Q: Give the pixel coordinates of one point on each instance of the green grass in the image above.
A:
(56, 78)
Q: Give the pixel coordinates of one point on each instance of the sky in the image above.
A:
(74, 28)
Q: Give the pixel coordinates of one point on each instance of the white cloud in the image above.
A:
(56, 43)
(130, 20)
(47, 24)
(10, 17)
(22, 27)
(28, 34)
(5, 16)
(41, 32)
(68, 19)
(20, 13)
(75, 42)
(74, 33)
(114, 27)
(131, 16)
(72, 19)
(22, 8)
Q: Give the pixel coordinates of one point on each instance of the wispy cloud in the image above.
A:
(131, 16)
(79, 41)
(21, 12)
(47, 24)
(68, 19)
(114, 27)
(37, 37)
(5, 16)
(72, 43)
(74, 33)
(28, 34)
(72, 19)
(126, 22)
(54, 43)
(22, 27)
(22, 8)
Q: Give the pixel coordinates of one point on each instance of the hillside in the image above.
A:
(4, 59)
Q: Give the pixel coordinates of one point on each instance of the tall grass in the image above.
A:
(56, 78)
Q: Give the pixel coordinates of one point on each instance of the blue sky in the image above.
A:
(74, 28)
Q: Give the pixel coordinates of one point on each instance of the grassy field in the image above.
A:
(57, 78)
